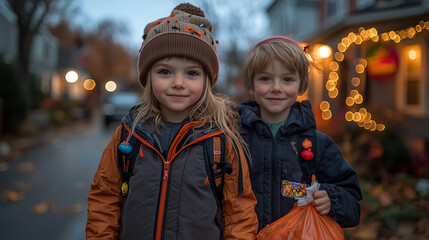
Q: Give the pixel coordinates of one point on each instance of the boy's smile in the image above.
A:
(177, 83)
(276, 90)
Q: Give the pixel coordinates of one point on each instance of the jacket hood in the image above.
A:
(301, 116)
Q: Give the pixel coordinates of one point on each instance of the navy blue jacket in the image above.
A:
(275, 159)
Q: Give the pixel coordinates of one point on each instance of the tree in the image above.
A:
(31, 14)
(237, 25)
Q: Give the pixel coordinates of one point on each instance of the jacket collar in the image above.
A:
(301, 116)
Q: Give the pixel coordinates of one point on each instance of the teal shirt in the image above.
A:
(274, 127)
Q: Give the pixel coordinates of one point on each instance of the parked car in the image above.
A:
(117, 105)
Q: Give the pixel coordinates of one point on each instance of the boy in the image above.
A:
(280, 133)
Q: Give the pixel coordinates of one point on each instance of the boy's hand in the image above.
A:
(321, 202)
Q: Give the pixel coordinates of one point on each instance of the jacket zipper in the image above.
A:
(274, 202)
(166, 165)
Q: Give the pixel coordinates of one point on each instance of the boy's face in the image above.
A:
(177, 83)
(276, 90)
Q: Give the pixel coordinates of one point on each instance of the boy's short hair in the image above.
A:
(282, 49)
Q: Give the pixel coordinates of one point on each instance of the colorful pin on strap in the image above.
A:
(124, 189)
(307, 154)
(125, 148)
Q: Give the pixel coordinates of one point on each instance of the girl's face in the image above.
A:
(177, 84)
(276, 90)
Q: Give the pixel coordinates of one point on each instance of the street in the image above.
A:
(44, 191)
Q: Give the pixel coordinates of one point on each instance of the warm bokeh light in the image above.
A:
(349, 116)
(333, 93)
(346, 42)
(363, 111)
(351, 37)
(356, 117)
(418, 28)
(333, 76)
(341, 47)
(324, 51)
(373, 126)
(412, 54)
(334, 66)
(392, 35)
(110, 86)
(362, 117)
(349, 101)
(89, 84)
(326, 114)
(358, 40)
(385, 37)
(330, 85)
(355, 81)
(358, 99)
(72, 76)
(360, 68)
(324, 106)
(339, 56)
(380, 127)
(354, 93)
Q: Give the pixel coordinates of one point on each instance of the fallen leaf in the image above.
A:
(12, 196)
(40, 208)
(26, 167)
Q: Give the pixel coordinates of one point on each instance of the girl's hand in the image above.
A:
(321, 202)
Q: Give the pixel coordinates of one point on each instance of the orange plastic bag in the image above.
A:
(303, 222)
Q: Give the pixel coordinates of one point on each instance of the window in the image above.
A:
(411, 83)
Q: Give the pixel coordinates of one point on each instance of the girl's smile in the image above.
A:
(177, 84)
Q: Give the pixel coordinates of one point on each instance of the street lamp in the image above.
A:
(72, 76)
(110, 86)
(89, 84)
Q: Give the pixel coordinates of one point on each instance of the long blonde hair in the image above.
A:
(214, 110)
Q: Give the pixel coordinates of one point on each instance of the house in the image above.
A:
(373, 57)
(44, 54)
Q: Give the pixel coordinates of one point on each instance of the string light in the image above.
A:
(362, 117)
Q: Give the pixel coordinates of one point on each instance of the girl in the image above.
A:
(169, 195)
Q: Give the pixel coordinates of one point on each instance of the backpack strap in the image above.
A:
(307, 148)
(126, 160)
(216, 165)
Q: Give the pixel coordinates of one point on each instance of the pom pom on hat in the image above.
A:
(191, 9)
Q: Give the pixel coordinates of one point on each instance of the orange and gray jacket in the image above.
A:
(168, 198)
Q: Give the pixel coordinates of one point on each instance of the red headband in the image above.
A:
(303, 46)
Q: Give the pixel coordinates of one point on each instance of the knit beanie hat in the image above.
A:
(185, 33)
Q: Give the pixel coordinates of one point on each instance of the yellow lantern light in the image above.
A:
(351, 37)
(330, 85)
(358, 99)
(385, 37)
(355, 81)
(356, 117)
(89, 84)
(333, 76)
(412, 54)
(339, 56)
(334, 66)
(333, 93)
(358, 40)
(349, 101)
(326, 114)
(360, 68)
(110, 86)
(380, 127)
(72, 76)
(324, 106)
(349, 116)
